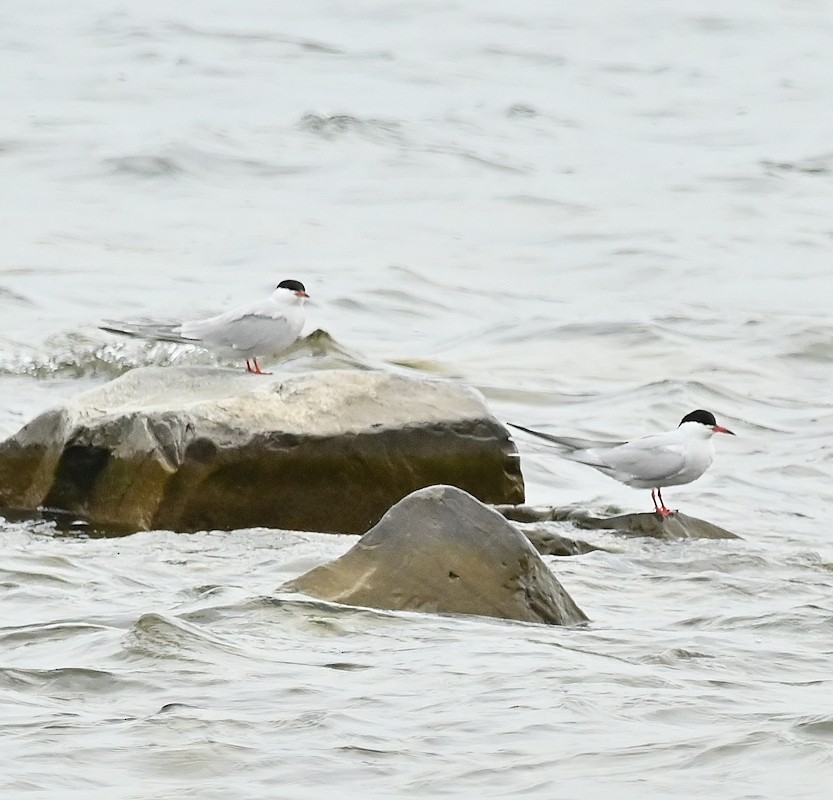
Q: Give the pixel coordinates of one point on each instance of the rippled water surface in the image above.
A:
(603, 215)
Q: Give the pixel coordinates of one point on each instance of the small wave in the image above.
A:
(10, 296)
(170, 637)
(427, 366)
(178, 161)
(677, 392)
(80, 359)
(65, 679)
(543, 57)
(806, 617)
(10, 145)
(52, 631)
(630, 334)
(809, 342)
(390, 301)
(319, 350)
(347, 666)
(31, 578)
(145, 166)
(546, 202)
(337, 125)
(816, 728)
(78, 356)
(674, 656)
(476, 158)
(730, 750)
(522, 110)
(256, 37)
(814, 165)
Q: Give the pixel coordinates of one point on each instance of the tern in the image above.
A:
(260, 330)
(652, 462)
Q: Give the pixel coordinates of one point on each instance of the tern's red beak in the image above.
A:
(721, 429)
(301, 293)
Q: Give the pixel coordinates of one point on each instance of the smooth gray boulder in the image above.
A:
(677, 526)
(440, 550)
(200, 448)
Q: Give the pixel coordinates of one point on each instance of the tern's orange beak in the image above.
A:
(721, 429)
(301, 293)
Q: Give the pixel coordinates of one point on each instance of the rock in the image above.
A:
(195, 448)
(549, 543)
(677, 526)
(440, 550)
(524, 513)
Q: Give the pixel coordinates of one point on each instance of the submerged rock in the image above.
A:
(549, 543)
(196, 448)
(440, 550)
(677, 526)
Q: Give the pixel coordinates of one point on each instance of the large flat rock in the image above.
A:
(195, 448)
(439, 550)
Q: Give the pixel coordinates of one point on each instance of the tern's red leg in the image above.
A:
(666, 512)
(660, 508)
(248, 366)
(258, 370)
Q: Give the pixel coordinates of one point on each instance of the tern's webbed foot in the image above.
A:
(256, 370)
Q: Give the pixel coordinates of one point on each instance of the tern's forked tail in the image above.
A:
(157, 331)
(567, 444)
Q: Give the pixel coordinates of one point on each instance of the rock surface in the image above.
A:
(677, 526)
(440, 550)
(549, 543)
(196, 448)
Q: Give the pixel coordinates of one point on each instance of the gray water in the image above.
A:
(603, 215)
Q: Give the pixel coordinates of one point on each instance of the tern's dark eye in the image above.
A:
(703, 417)
(293, 286)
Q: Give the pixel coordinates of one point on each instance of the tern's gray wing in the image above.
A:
(648, 460)
(251, 334)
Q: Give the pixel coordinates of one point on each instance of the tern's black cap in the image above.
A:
(703, 417)
(293, 286)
